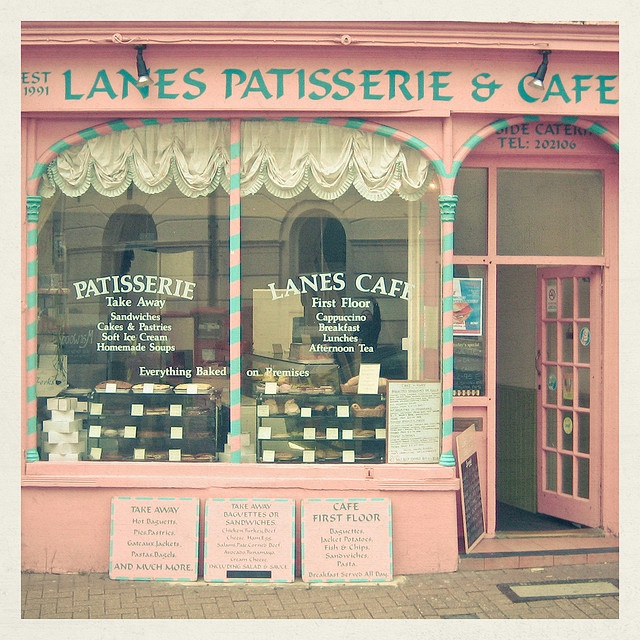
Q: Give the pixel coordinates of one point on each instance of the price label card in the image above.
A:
(137, 409)
(347, 434)
(369, 378)
(176, 433)
(83, 406)
(130, 432)
(332, 433)
(263, 410)
(381, 434)
(175, 410)
(96, 409)
(111, 387)
(309, 433)
(268, 455)
(95, 453)
(95, 431)
(308, 455)
(348, 456)
(305, 412)
(175, 455)
(147, 387)
(264, 433)
(139, 454)
(270, 388)
(342, 411)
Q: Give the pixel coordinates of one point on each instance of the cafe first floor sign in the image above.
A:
(154, 539)
(249, 540)
(346, 540)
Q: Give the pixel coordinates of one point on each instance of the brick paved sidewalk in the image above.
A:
(463, 594)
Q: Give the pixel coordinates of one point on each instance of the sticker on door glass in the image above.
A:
(567, 425)
(585, 336)
(552, 299)
(552, 382)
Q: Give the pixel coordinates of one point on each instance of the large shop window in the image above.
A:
(339, 268)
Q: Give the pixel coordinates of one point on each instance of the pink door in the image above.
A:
(569, 381)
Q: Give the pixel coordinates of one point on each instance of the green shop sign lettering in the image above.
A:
(318, 84)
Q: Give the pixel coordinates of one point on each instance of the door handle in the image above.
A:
(537, 361)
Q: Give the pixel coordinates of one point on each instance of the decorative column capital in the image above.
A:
(33, 208)
(448, 205)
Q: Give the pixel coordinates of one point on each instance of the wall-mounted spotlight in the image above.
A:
(144, 75)
(538, 79)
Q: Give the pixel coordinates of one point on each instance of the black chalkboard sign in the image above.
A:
(471, 494)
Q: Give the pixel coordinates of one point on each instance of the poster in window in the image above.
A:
(467, 306)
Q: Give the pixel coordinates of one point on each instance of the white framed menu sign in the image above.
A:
(414, 423)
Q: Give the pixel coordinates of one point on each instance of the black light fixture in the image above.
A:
(144, 77)
(538, 79)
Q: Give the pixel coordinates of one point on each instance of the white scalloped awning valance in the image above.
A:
(282, 157)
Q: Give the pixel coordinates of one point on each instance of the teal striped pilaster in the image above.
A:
(447, 215)
(33, 213)
(235, 303)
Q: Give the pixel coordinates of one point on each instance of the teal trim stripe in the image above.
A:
(234, 183)
(354, 123)
(31, 393)
(447, 365)
(119, 125)
(440, 169)
(32, 361)
(322, 120)
(455, 168)
(234, 149)
(569, 119)
(386, 131)
(499, 124)
(290, 119)
(32, 425)
(38, 171)
(531, 118)
(473, 141)
(60, 146)
(32, 299)
(32, 237)
(597, 129)
(32, 268)
(416, 143)
(234, 245)
(181, 119)
(88, 134)
(31, 455)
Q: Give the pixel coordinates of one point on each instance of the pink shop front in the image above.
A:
(304, 260)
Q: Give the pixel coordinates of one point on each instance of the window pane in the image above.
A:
(326, 288)
(468, 338)
(133, 300)
(549, 212)
(470, 236)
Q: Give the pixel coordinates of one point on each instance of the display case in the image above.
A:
(321, 427)
(171, 426)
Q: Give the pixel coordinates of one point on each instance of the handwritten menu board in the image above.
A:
(249, 540)
(346, 540)
(471, 495)
(154, 539)
(413, 421)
